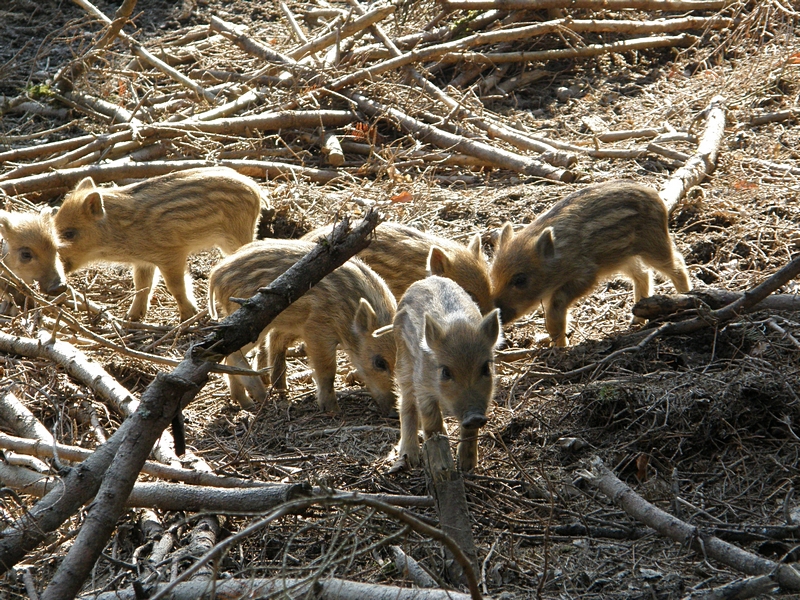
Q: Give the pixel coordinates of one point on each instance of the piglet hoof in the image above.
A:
(401, 464)
(330, 406)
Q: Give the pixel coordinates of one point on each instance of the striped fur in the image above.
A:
(400, 254)
(344, 308)
(445, 366)
(618, 226)
(157, 223)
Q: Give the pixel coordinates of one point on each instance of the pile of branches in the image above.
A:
(351, 95)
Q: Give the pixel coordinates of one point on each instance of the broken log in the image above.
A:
(662, 306)
(447, 488)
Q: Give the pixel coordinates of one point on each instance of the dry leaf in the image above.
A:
(402, 197)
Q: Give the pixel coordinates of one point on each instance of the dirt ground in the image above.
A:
(703, 426)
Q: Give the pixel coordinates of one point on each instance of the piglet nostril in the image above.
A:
(474, 421)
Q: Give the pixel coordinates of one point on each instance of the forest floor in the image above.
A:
(703, 424)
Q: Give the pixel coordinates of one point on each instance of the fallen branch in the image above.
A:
(738, 590)
(703, 161)
(495, 156)
(65, 179)
(22, 421)
(160, 402)
(170, 496)
(146, 55)
(661, 306)
(494, 58)
(76, 364)
(324, 589)
(411, 569)
(345, 500)
(673, 5)
(709, 546)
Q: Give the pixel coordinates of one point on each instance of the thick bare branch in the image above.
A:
(712, 547)
(703, 161)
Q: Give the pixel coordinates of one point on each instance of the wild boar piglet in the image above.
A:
(29, 249)
(156, 224)
(400, 254)
(345, 308)
(613, 227)
(445, 366)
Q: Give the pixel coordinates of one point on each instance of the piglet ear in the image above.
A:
(438, 263)
(365, 318)
(434, 333)
(545, 244)
(506, 233)
(87, 183)
(490, 327)
(93, 205)
(475, 246)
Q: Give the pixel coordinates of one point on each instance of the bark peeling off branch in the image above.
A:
(675, 529)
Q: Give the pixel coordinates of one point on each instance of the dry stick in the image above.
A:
(114, 112)
(675, 5)
(370, 18)
(449, 141)
(45, 149)
(68, 178)
(662, 306)
(347, 500)
(160, 402)
(73, 453)
(146, 56)
(738, 590)
(516, 138)
(329, 588)
(703, 161)
(645, 43)
(17, 416)
(411, 569)
(710, 546)
(782, 115)
(257, 49)
(170, 496)
(84, 370)
(95, 144)
(22, 421)
(75, 363)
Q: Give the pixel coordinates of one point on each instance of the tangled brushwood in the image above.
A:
(646, 459)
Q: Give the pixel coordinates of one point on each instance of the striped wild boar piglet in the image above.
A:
(157, 224)
(345, 308)
(29, 249)
(613, 227)
(445, 366)
(402, 255)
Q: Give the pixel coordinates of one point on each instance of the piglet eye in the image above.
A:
(446, 374)
(486, 370)
(69, 234)
(380, 363)
(25, 255)
(519, 280)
